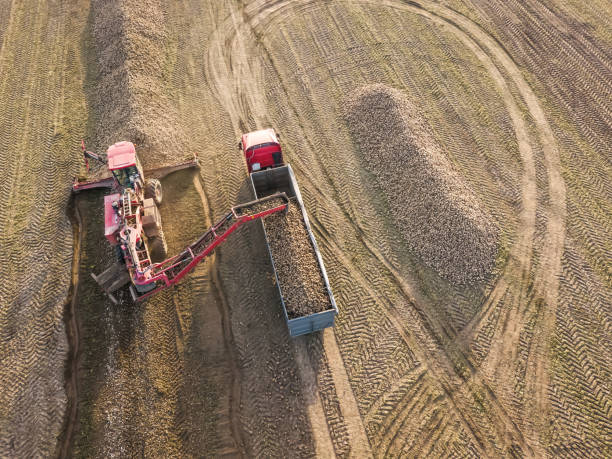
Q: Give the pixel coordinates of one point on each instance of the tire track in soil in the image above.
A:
(359, 443)
(41, 117)
(427, 348)
(74, 338)
(323, 442)
(571, 64)
(529, 214)
(228, 337)
(5, 14)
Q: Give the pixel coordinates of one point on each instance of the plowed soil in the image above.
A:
(484, 333)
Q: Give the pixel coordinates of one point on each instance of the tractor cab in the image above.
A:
(261, 150)
(124, 164)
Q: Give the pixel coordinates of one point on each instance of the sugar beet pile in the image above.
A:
(437, 215)
(132, 65)
(296, 264)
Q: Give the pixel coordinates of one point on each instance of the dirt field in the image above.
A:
(42, 115)
(510, 357)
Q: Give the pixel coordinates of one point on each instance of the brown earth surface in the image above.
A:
(516, 97)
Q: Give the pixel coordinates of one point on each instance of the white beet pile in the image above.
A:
(130, 98)
(296, 264)
(437, 214)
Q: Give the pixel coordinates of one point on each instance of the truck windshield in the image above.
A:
(251, 150)
(123, 175)
(261, 145)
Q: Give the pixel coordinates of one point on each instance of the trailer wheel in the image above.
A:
(153, 190)
(158, 248)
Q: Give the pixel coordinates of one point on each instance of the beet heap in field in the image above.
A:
(296, 264)
(436, 213)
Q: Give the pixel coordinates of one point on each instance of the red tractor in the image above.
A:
(134, 191)
(132, 224)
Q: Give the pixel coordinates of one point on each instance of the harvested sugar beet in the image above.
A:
(296, 264)
(436, 213)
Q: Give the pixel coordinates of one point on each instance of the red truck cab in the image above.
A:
(261, 150)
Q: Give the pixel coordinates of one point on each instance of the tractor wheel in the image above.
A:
(153, 190)
(158, 248)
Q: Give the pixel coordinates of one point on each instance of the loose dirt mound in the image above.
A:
(437, 214)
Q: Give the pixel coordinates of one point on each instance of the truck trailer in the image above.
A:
(307, 299)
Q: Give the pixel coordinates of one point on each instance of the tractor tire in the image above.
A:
(153, 190)
(158, 248)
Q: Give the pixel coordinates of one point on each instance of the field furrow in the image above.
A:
(42, 116)
(453, 157)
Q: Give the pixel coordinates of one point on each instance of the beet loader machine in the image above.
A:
(132, 222)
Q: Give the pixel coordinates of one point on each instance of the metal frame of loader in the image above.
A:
(135, 264)
(169, 272)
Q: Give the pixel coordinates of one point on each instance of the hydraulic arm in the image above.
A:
(101, 158)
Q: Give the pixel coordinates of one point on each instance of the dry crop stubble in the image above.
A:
(42, 116)
(5, 14)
